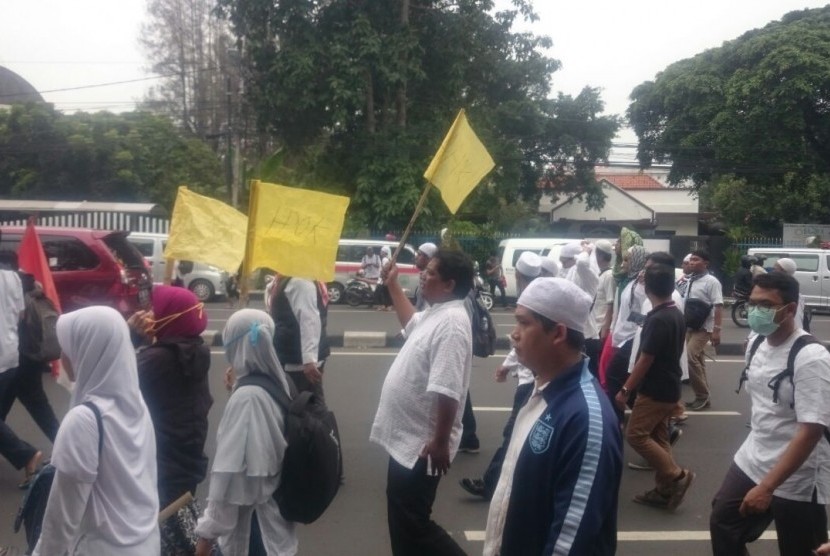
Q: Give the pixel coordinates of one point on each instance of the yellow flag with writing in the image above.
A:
(460, 163)
(207, 231)
(294, 231)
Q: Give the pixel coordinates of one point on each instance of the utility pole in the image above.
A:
(229, 141)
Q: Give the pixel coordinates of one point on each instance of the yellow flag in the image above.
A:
(459, 164)
(294, 231)
(207, 231)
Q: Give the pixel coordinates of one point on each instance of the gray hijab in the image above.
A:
(249, 345)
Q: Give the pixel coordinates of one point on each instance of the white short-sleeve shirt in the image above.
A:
(11, 305)
(630, 302)
(708, 289)
(604, 297)
(436, 359)
(774, 424)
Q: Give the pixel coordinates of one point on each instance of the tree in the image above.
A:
(751, 118)
(360, 94)
(109, 157)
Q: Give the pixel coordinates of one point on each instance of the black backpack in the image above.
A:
(312, 466)
(789, 372)
(33, 507)
(38, 329)
(484, 331)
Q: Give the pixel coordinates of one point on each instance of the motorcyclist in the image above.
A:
(743, 277)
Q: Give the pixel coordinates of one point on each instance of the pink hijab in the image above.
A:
(170, 300)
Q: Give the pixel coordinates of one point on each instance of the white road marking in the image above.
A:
(492, 409)
(645, 536)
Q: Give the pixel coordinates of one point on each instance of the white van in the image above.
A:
(206, 281)
(511, 249)
(812, 271)
(351, 251)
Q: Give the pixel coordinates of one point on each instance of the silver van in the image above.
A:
(812, 271)
(206, 281)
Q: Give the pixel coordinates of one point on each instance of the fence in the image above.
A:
(102, 221)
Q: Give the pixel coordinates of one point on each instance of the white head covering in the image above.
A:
(428, 249)
(787, 265)
(250, 441)
(558, 299)
(385, 251)
(605, 246)
(570, 250)
(687, 258)
(529, 264)
(550, 266)
(97, 343)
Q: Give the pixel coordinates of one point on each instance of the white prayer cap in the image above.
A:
(428, 249)
(787, 265)
(550, 266)
(385, 251)
(571, 250)
(687, 258)
(529, 264)
(558, 299)
(605, 246)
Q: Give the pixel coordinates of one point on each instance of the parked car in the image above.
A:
(206, 281)
(812, 271)
(90, 267)
(351, 251)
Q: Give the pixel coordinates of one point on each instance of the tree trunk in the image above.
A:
(400, 97)
(371, 124)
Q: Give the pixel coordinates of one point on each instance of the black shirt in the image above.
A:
(664, 335)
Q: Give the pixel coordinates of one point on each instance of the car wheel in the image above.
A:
(202, 289)
(335, 292)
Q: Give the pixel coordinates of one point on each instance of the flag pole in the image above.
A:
(418, 208)
(244, 277)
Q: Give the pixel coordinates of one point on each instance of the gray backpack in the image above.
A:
(38, 336)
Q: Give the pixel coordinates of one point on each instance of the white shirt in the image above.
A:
(371, 267)
(527, 416)
(436, 359)
(708, 289)
(11, 305)
(524, 374)
(302, 298)
(623, 329)
(774, 425)
(604, 298)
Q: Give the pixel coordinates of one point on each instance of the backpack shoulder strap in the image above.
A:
(94, 408)
(759, 339)
(269, 385)
(799, 343)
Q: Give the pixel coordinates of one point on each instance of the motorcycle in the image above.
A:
(359, 291)
(481, 289)
(739, 311)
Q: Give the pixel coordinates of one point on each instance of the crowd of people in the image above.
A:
(599, 350)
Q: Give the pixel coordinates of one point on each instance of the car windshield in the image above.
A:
(126, 254)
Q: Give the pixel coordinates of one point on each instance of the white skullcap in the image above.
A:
(787, 265)
(571, 250)
(687, 258)
(529, 264)
(558, 299)
(385, 250)
(605, 246)
(550, 266)
(428, 249)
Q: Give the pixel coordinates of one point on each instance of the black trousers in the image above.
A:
(18, 452)
(304, 385)
(493, 471)
(593, 349)
(801, 526)
(617, 374)
(468, 420)
(410, 494)
(27, 386)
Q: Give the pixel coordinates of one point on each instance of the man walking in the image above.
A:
(656, 380)
(703, 311)
(558, 489)
(418, 421)
(780, 472)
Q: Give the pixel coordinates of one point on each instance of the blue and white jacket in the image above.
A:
(567, 478)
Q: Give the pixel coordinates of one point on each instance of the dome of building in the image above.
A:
(14, 89)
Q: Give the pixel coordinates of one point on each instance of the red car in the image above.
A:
(91, 267)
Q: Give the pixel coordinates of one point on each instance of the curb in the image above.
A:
(364, 339)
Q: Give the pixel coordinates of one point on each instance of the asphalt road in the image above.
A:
(356, 521)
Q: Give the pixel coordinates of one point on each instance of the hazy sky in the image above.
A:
(609, 44)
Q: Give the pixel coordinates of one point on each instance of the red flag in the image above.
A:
(32, 259)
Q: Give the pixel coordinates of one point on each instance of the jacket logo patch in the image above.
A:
(539, 437)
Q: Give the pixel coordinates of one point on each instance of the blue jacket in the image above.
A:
(567, 478)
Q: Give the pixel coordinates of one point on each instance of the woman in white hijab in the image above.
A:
(102, 503)
(250, 445)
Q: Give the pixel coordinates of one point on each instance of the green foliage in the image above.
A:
(126, 157)
(752, 118)
(360, 94)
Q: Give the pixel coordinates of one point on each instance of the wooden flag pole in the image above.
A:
(245, 275)
(418, 208)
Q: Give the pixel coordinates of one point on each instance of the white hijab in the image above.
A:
(250, 441)
(96, 341)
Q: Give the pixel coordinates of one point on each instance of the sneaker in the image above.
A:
(698, 405)
(674, 435)
(679, 488)
(641, 465)
(653, 498)
(475, 487)
(469, 445)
